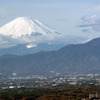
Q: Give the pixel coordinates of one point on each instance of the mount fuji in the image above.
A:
(25, 26)
(27, 35)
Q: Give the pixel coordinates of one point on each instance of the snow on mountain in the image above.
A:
(31, 45)
(26, 30)
(23, 26)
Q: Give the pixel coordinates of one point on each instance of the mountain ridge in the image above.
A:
(22, 49)
(80, 58)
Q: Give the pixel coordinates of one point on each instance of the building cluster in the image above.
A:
(51, 81)
(95, 96)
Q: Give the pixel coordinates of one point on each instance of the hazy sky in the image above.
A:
(77, 20)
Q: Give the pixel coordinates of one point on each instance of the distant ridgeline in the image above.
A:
(80, 58)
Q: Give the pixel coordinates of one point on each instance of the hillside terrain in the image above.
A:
(80, 58)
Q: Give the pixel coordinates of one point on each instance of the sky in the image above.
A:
(77, 20)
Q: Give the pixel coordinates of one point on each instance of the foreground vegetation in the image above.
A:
(62, 92)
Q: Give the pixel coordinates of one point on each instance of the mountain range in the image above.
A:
(73, 58)
(27, 47)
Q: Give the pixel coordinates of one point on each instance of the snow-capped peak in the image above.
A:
(25, 26)
(25, 30)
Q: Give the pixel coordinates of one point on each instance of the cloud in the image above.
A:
(92, 22)
(31, 41)
(86, 30)
(88, 25)
(62, 19)
(90, 19)
(97, 8)
(31, 45)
